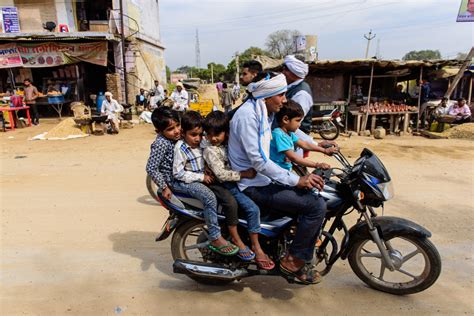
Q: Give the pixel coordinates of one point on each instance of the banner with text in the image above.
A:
(52, 54)
(9, 56)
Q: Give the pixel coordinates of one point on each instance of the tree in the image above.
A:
(422, 55)
(461, 56)
(168, 74)
(244, 57)
(219, 71)
(281, 43)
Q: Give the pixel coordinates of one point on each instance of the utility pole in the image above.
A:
(198, 51)
(212, 73)
(122, 39)
(237, 67)
(368, 38)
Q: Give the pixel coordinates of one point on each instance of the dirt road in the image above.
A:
(78, 229)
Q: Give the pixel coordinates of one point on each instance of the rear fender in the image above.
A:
(387, 226)
(171, 224)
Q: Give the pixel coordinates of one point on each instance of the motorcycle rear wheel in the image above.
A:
(406, 252)
(329, 130)
(188, 243)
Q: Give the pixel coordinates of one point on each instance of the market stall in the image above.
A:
(57, 69)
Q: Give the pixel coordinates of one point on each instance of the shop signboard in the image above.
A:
(9, 56)
(466, 11)
(51, 54)
(11, 22)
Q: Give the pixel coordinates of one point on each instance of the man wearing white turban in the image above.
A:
(299, 91)
(112, 109)
(275, 188)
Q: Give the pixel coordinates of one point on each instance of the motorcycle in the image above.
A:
(327, 123)
(388, 253)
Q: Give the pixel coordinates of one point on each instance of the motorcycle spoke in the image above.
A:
(407, 273)
(382, 270)
(371, 255)
(411, 255)
(196, 246)
(388, 245)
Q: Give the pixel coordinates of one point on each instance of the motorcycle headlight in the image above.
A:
(387, 190)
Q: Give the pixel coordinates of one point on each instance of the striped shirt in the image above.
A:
(188, 163)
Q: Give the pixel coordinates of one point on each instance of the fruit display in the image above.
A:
(385, 107)
(54, 93)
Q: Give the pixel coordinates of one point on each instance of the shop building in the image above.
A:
(75, 47)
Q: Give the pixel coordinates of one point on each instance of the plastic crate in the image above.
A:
(56, 99)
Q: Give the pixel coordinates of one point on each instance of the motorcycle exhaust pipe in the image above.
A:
(208, 270)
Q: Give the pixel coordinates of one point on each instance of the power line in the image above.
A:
(267, 16)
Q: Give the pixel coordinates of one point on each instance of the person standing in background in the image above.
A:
(31, 94)
(227, 98)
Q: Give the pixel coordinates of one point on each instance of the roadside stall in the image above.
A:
(369, 88)
(62, 71)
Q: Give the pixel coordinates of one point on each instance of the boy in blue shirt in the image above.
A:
(284, 140)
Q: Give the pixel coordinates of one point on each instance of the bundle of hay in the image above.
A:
(464, 131)
(67, 129)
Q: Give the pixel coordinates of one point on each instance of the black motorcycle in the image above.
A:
(388, 253)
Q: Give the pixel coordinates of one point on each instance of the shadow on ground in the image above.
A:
(142, 245)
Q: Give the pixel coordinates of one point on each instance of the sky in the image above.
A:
(229, 26)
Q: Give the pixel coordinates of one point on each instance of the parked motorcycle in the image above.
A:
(327, 123)
(388, 253)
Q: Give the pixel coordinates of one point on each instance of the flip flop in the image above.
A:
(249, 257)
(218, 250)
(265, 264)
(312, 277)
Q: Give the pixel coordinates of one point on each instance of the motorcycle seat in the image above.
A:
(321, 113)
(184, 201)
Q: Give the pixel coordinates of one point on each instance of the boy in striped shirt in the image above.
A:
(190, 178)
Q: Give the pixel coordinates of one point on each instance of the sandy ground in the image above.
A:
(78, 229)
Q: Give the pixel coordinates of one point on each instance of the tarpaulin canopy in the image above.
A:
(361, 65)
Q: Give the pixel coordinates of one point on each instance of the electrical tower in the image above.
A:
(198, 51)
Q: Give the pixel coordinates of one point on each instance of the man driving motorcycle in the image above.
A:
(275, 189)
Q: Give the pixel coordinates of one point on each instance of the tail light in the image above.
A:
(336, 114)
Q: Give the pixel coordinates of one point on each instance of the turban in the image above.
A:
(268, 87)
(108, 94)
(296, 66)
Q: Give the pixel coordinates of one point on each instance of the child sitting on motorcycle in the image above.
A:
(160, 163)
(216, 126)
(284, 139)
(190, 178)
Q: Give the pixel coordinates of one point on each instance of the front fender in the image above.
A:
(387, 226)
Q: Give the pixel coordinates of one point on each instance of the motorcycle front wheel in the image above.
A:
(417, 264)
(329, 130)
(190, 242)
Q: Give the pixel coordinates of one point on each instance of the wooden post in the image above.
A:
(366, 116)
(459, 75)
(346, 112)
(419, 101)
(469, 96)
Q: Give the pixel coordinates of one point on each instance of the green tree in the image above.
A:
(461, 56)
(219, 71)
(244, 57)
(281, 43)
(422, 55)
(168, 74)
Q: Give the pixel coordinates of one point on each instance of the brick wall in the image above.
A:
(33, 13)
